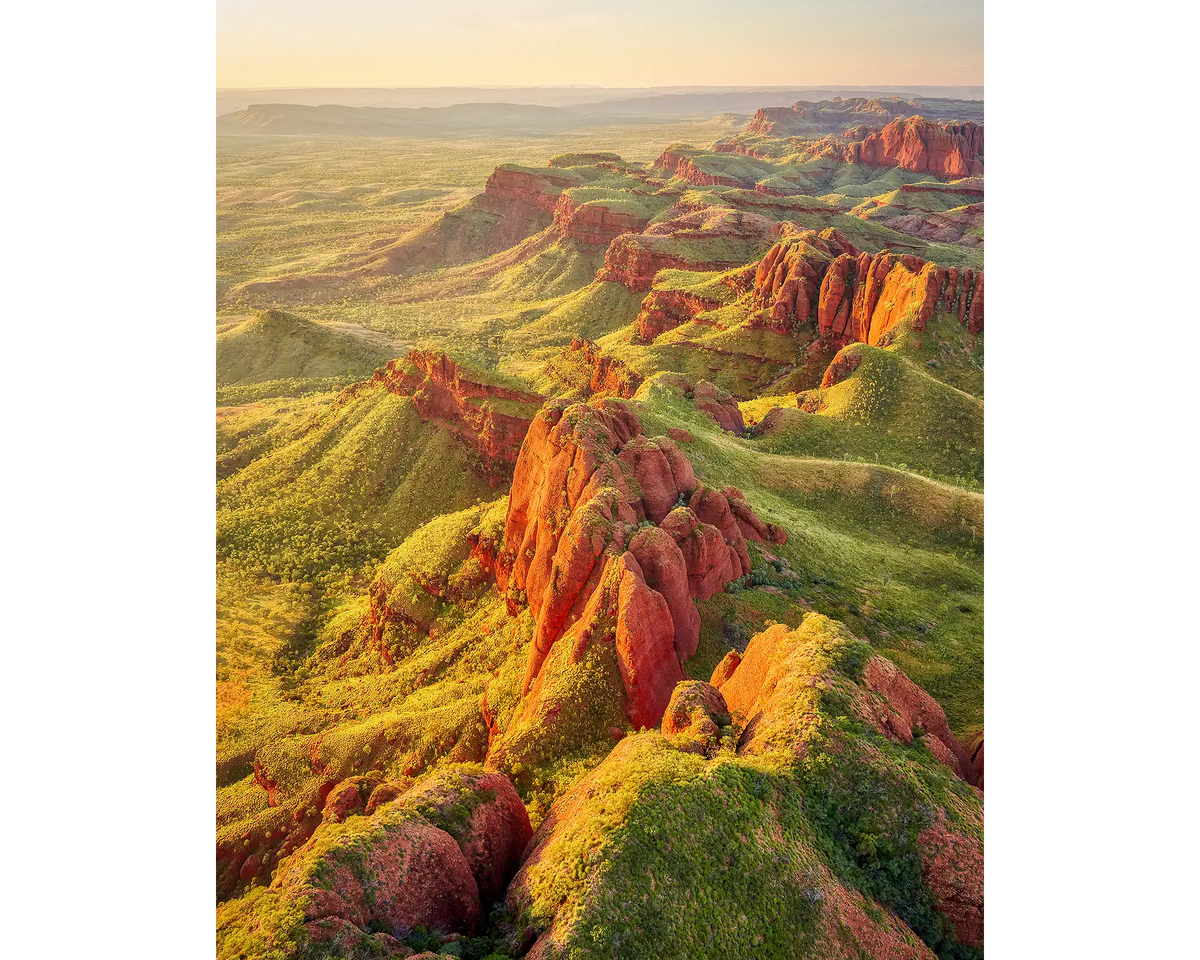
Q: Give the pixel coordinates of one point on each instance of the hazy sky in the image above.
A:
(618, 43)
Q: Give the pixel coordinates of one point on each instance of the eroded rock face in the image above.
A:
(840, 367)
(952, 868)
(694, 717)
(719, 404)
(494, 831)
(828, 116)
(676, 163)
(664, 310)
(917, 144)
(606, 375)
(767, 681)
(541, 189)
(593, 223)
(854, 296)
(689, 240)
(975, 751)
(490, 418)
(788, 280)
(609, 537)
(776, 690)
(432, 856)
(906, 710)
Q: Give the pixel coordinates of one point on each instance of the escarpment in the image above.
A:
(490, 418)
(917, 144)
(701, 240)
(821, 278)
(664, 310)
(608, 539)
(677, 163)
(825, 117)
(593, 222)
(537, 188)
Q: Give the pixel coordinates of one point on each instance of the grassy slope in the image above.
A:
(355, 481)
(888, 552)
(274, 345)
(889, 411)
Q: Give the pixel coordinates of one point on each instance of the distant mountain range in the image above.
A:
(640, 101)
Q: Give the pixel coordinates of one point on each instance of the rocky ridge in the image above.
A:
(491, 419)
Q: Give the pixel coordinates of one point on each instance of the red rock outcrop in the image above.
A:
(720, 405)
(693, 240)
(495, 830)
(854, 296)
(429, 857)
(957, 189)
(664, 310)
(418, 878)
(827, 116)
(842, 365)
(901, 711)
(606, 376)
(450, 395)
(907, 710)
(635, 264)
(788, 280)
(975, 750)
(678, 163)
(608, 538)
(952, 868)
(540, 189)
(695, 715)
(917, 144)
(594, 223)
(975, 311)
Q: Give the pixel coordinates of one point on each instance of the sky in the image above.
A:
(614, 43)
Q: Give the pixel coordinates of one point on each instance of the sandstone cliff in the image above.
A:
(492, 419)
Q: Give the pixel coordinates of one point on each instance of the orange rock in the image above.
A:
(451, 395)
(724, 670)
(606, 376)
(840, 368)
(951, 150)
(696, 712)
(787, 281)
(584, 481)
(645, 646)
(593, 223)
(975, 314)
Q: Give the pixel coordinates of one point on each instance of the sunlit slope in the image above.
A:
(274, 345)
(361, 475)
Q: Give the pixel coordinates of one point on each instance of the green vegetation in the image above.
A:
(896, 557)
(888, 411)
(367, 471)
(278, 346)
(665, 854)
(360, 634)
